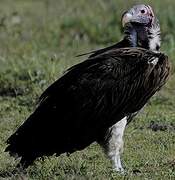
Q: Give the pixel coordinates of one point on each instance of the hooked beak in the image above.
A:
(127, 17)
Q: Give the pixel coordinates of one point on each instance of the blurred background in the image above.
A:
(39, 40)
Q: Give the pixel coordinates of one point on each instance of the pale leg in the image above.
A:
(113, 145)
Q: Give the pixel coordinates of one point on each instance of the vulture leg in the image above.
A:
(113, 144)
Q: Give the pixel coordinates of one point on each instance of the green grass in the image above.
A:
(38, 42)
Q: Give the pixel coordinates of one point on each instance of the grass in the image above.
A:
(38, 42)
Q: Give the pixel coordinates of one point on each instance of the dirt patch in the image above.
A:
(159, 126)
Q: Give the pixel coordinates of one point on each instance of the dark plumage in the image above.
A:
(86, 103)
(80, 106)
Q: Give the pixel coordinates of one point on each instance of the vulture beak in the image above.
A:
(126, 18)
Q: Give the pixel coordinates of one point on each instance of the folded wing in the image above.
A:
(79, 107)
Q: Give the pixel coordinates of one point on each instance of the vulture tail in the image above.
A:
(21, 144)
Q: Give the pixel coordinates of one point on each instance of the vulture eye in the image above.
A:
(143, 11)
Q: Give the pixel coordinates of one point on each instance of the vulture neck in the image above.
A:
(142, 36)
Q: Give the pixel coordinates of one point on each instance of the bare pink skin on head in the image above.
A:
(141, 14)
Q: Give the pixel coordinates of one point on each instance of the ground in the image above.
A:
(38, 42)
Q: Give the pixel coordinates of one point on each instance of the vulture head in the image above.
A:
(142, 26)
(140, 15)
